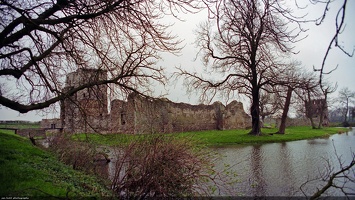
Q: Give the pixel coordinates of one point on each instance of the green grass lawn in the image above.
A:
(229, 137)
(28, 171)
(226, 137)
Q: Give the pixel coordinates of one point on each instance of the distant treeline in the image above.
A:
(18, 122)
(338, 115)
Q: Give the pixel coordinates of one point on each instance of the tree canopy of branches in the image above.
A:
(246, 42)
(42, 41)
(308, 91)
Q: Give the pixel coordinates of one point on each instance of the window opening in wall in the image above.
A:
(52, 126)
(123, 121)
(70, 88)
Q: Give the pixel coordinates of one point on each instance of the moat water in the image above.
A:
(283, 169)
(280, 169)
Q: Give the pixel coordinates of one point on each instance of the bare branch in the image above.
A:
(335, 179)
(43, 41)
(339, 28)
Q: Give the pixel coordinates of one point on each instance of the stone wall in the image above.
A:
(164, 116)
(51, 123)
(294, 122)
(234, 116)
(146, 115)
(315, 107)
(32, 132)
(118, 115)
(87, 111)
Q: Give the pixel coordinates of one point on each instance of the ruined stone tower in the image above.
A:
(317, 107)
(85, 111)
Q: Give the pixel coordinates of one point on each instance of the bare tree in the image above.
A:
(309, 91)
(296, 79)
(345, 97)
(42, 41)
(246, 42)
(285, 110)
(289, 81)
(326, 89)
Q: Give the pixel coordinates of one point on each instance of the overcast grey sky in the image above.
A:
(311, 52)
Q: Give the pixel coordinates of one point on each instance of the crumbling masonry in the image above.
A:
(87, 111)
(317, 107)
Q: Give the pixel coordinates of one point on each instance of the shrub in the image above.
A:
(345, 124)
(162, 166)
(79, 155)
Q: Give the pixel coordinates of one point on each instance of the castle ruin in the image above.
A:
(87, 111)
(316, 108)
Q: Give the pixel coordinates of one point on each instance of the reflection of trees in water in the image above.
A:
(287, 172)
(107, 169)
(263, 165)
(258, 183)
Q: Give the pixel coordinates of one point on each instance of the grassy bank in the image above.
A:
(226, 137)
(21, 126)
(28, 171)
(229, 137)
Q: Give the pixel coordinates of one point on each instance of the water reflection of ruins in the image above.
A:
(107, 169)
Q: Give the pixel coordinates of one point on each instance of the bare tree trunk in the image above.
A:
(285, 111)
(347, 110)
(324, 104)
(320, 119)
(309, 114)
(255, 112)
(262, 121)
(62, 113)
(312, 123)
